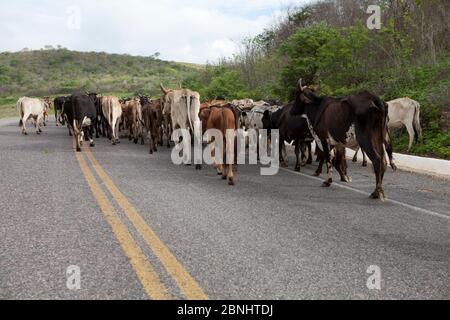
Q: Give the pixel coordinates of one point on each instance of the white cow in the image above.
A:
(183, 106)
(406, 112)
(31, 108)
(403, 112)
(112, 111)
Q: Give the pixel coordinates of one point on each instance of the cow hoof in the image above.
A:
(394, 167)
(297, 169)
(364, 164)
(378, 195)
(78, 149)
(92, 144)
(310, 161)
(231, 182)
(355, 160)
(316, 174)
(25, 133)
(346, 179)
(37, 132)
(198, 167)
(327, 184)
(224, 177)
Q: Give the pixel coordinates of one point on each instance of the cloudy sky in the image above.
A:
(191, 31)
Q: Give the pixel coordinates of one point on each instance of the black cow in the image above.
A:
(59, 104)
(346, 122)
(100, 123)
(292, 129)
(81, 115)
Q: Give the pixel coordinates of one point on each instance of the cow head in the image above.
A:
(304, 97)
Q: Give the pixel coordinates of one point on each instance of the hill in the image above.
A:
(53, 72)
(44, 72)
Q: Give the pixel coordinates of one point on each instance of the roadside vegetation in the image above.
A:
(328, 43)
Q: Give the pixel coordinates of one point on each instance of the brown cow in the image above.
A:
(132, 114)
(346, 122)
(153, 124)
(221, 118)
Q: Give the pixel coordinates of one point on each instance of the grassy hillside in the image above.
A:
(52, 72)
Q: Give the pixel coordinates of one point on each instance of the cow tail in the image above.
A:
(416, 122)
(224, 127)
(19, 109)
(111, 112)
(188, 105)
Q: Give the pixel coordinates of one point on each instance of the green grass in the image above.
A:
(8, 107)
(435, 145)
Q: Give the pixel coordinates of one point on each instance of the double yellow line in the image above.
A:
(148, 277)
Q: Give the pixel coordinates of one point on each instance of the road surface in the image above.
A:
(136, 226)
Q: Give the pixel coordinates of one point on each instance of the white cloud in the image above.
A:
(191, 31)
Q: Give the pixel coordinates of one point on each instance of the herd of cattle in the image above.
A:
(334, 124)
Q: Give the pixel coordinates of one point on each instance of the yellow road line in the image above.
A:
(149, 279)
(188, 286)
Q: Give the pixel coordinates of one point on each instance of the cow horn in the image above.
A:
(300, 84)
(164, 89)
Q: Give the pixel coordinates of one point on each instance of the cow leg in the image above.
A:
(327, 155)
(283, 154)
(310, 156)
(297, 156)
(229, 160)
(379, 164)
(38, 125)
(341, 164)
(412, 136)
(390, 152)
(364, 164)
(89, 136)
(24, 121)
(150, 141)
(303, 151)
(77, 136)
(155, 143)
(96, 126)
(114, 131)
(355, 158)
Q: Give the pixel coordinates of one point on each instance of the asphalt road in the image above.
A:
(139, 227)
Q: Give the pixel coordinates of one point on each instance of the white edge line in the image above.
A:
(405, 205)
